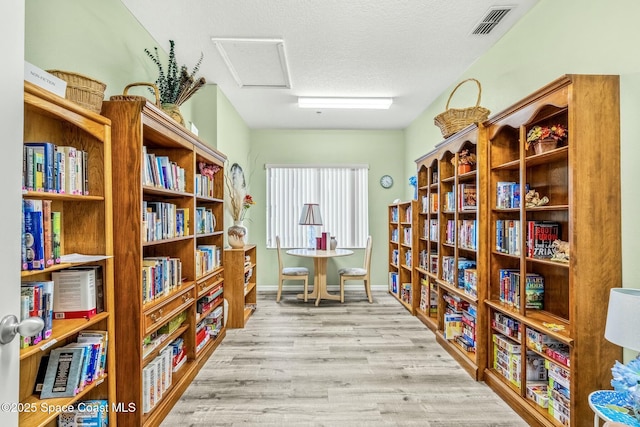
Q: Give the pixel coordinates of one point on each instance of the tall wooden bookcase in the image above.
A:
(240, 272)
(139, 127)
(401, 238)
(581, 178)
(450, 248)
(543, 353)
(86, 229)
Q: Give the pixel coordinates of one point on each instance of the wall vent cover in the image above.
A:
(491, 20)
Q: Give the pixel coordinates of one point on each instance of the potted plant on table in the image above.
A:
(175, 85)
(465, 162)
(545, 138)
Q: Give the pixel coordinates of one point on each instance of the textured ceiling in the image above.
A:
(411, 50)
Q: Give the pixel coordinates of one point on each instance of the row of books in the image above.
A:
(395, 257)
(393, 282)
(204, 186)
(506, 325)
(508, 195)
(431, 229)
(408, 259)
(394, 235)
(394, 214)
(157, 377)
(406, 238)
(509, 282)
(160, 276)
(161, 220)
(428, 297)
(430, 203)
(449, 269)
(208, 259)
(450, 232)
(508, 236)
(209, 327)
(405, 293)
(36, 300)
(160, 172)
(69, 369)
(449, 201)
(205, 220)
(55, 168)
(41, 235)
(467, 234)
(209, 300)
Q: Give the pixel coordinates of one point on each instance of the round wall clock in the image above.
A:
(386, 181)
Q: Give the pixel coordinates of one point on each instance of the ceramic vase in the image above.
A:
(174, 112)
(333, 243)
(236, 234)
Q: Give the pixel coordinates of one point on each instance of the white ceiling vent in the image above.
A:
(491, 20)
(258, 63)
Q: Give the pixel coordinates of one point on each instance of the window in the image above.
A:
(341, 191)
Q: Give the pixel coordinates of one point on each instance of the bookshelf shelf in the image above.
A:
(144, 139)
(49, 118)
(240, 280)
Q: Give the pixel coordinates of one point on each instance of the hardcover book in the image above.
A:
(63, 373)
(540, 237)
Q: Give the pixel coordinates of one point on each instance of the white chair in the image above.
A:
(358, 273)
(290, 273)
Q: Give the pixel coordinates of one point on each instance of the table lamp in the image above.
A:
(623, 318)
(311, 216)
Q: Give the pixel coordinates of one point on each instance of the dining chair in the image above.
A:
(358, 273)
(290, 273)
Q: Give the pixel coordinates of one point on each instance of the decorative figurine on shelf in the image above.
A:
(533, 199)
(413, 181)
(560, 251)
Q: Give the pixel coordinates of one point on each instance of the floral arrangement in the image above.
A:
(246, 204)
(208, 169)
(239, 200)
(557, 132)
(465, 157)
(626, 380)
(176, 85)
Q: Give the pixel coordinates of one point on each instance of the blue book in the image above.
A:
(48, 151)
(33, 234)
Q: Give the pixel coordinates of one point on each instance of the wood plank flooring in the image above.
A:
(351, 364)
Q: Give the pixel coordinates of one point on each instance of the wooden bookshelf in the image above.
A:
(240, 272)
(574, 303)
(86, 228)
(139, 128)
(401, 239)
(450, 228)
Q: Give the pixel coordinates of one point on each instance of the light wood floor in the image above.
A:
(351, 364)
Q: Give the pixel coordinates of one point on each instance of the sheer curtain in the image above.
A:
(340, 190)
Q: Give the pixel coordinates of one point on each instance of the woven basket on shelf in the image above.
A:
(84, 91)
(126, 97)
(454, 119)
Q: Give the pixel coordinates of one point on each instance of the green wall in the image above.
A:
(383, 151)
(562, 37)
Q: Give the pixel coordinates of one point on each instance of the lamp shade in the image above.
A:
(623, 318)
(310, 214)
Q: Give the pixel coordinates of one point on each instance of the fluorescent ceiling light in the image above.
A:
(367, 103)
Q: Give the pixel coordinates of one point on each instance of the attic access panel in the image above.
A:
(260, 63)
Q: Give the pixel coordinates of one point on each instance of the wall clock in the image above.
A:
(386, 181)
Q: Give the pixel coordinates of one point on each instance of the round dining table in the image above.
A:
(320, 258)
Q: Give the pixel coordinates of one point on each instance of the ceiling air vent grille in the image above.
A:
(491, 20)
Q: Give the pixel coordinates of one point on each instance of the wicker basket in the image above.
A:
(84, 91)
(455, 119)
(126, 97)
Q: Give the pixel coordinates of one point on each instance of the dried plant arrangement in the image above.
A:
(176, 84)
